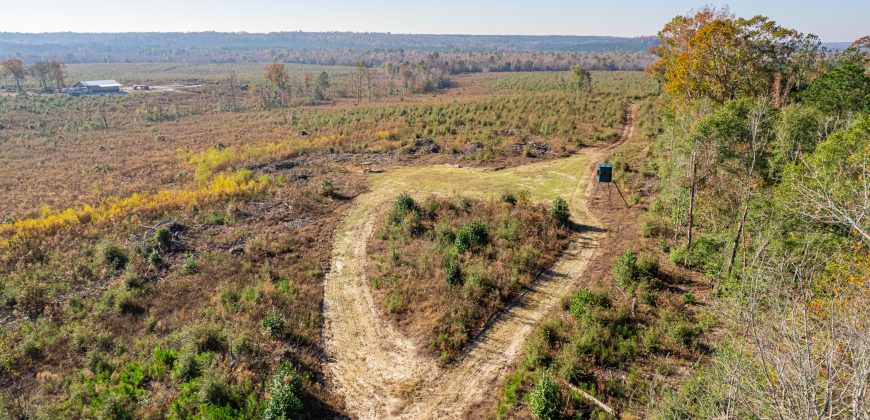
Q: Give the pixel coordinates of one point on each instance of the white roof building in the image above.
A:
(105, 84)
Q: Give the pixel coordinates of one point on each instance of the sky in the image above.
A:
(831, 20)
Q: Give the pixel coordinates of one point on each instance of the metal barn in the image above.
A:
(99, 86)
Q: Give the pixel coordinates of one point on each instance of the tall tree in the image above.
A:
(58, 73)
(832, 185)
(713, 55)
(361, 72)
(41, 71)
(582, 78)
(842, 89)
(15, 68)
(320, 86)
(276, 74)
(232, 83)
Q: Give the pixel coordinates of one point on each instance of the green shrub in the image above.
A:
(162, 238)
(508, 230)
(154, 259)
(560, 211)
(704, 255)
(410, 224)
(217, 219)
(512, 386)
(394, 303)
(689, 298)
(444, 235)
(652, 225)
(646, 294)
(214, 391)
(625, 269)
(163, 356)
(571, 368)
(545, 400)
(125, 302)
(524, 260)
(537, 352)
(472, 236)
(326, 187)
(405, 204)
(453, 272)
(111, 256)
(586, 299)
(273, 322)
(284, 389)
(684, 334)
(190, 266)
(509, 197)
(647, 264)
(209, 337)
(430, 208)
(463, 203)
(132, 279)
(186, 366)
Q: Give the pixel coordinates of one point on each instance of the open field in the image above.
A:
(63, 151)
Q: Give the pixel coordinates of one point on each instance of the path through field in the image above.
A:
(381, 373)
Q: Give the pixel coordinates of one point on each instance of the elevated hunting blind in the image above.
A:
(605, 172)
(604, 175)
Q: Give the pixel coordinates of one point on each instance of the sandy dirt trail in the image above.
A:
(381, 373)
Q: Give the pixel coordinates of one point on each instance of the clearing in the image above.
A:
(380, 372)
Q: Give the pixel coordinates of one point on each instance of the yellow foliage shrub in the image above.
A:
(214, 160)
(221, 187)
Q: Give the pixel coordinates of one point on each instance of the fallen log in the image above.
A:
(596, 401)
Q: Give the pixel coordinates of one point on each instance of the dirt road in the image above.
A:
(382, 374)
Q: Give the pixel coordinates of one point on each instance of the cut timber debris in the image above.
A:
(597, 402)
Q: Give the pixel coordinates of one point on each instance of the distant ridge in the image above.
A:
(237, 46)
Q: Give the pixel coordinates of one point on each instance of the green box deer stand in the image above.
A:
(604, 176)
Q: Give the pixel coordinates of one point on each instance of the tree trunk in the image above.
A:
(692, 202)
(739, 232)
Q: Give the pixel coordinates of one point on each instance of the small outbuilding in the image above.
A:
(99, 86)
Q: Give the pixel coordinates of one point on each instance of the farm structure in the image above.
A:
(99, 86)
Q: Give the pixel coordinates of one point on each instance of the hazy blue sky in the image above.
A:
(832, 20)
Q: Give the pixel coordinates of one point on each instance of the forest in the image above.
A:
(456, 53)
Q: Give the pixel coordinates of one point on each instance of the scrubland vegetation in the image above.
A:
(164, 254)
(114, 140)
(441, 268)
(169, 262)
(180, 312)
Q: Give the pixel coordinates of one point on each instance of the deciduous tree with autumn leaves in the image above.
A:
(711, 54)
(764, 162)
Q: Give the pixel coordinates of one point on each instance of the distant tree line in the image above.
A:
(457, 53)
(388, 79)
